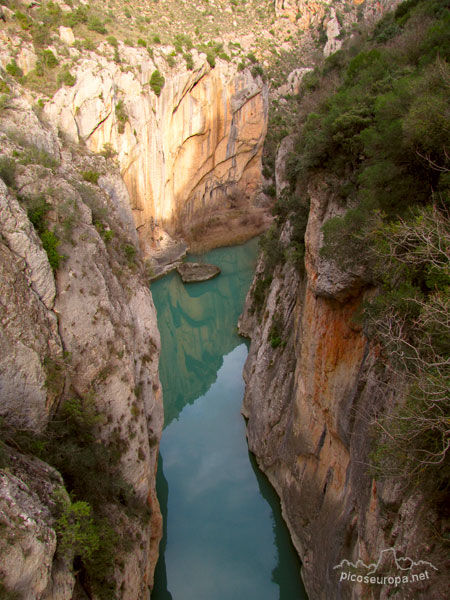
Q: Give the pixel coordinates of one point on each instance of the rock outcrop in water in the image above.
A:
(191, 272)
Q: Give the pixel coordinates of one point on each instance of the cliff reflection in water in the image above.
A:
(198, 325)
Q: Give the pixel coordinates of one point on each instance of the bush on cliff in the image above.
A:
(381, 129)
(157, 82)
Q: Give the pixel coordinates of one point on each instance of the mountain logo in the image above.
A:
(389, 569)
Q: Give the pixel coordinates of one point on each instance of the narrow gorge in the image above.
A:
(133, 134)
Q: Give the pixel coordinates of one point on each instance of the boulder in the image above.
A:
(190, 272)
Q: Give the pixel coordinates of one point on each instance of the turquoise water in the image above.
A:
(224, 538)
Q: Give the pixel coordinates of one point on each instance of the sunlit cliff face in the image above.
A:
(182, 153)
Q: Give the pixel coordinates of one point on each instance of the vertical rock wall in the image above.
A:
(84, 330)
(182, 153)
(309, 403)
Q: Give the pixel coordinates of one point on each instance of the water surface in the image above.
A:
(224, 537)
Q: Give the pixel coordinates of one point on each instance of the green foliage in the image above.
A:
(381, 137)
(77, 532)
(37, 212)
(108, 151)
(4, 87)
(76, 17)
(13, 69)
(142, 43)
(211, 58)
(50, 14)
(170, 60)
(275, 336)
(96, 24)
(41, 34)
(112, 41)
(91, 176)
(157, 82)
(50, 242)
(121, 115)
(24, 20)
(66, 78)
(33, 155)
(156, 39)
(189, 60)
(184, 41)
(259, 292)
(48, 59)
(8, 170)
(409, 319)
(130, 253)
(257, 71)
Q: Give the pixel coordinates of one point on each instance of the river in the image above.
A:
(224, 537)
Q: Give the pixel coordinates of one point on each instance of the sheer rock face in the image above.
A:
(309, 402)
(181, 153)
(87, 330)
(28, 565)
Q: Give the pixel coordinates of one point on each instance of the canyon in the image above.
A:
(124, 172)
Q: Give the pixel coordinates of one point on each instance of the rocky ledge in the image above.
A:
(190, 272)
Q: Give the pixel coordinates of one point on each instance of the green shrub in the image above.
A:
(91, 176)
(170, 60)
(156, 39)
(66, 78)
(112, 41)
(130, 252)
(275, 336)
(24, 20)
(37, 212)
(50, 242)
(51, 14)
(157, 82)
(4, 87)
(13, 69)
(108, 151)
(127, 13)
(189, 61)
(142, 43)
(211, 58)
(257, 71)
(41, 34)
(33, 155)
(121, 115)
(95, 24)
(76, 17)
(4, 98)
(76, 530)
(8, 170)
(48, 59)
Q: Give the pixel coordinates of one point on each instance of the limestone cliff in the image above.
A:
(310, 397)
(78, 323)
(183, 153)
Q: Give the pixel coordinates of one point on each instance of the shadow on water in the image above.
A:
(288, 561)
(160, 588)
